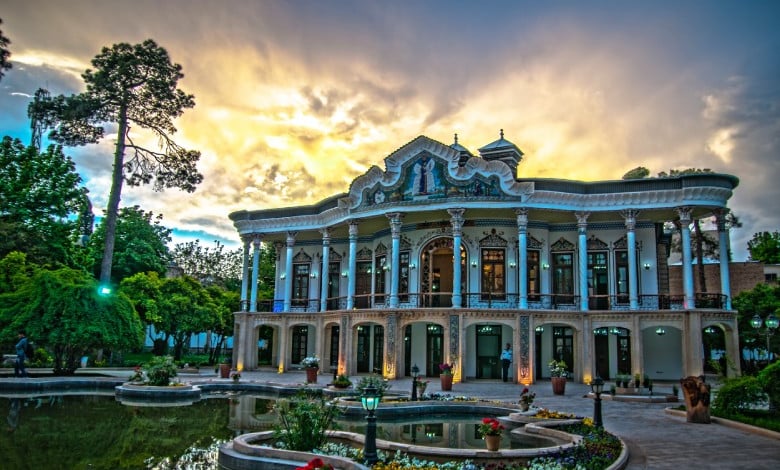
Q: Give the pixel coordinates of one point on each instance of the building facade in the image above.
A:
(443, 256)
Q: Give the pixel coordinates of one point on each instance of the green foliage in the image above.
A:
(769, 378)
(160, 370)
(765, 247)
(637, 173)
(342, 381)
(210, 266)
(5, 64)
(377, 381)
(62, 310)
(738, 394)
(140, 244)
(761, 300)
(40, 196)
(304, 420)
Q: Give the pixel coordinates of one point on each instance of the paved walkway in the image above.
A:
(656, 440)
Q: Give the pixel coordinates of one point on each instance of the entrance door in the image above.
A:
(563, 346)
(436, 273)
(488, 351)
(265, 345)
(333, 286)
(363, 285)
(598, 281)
(624, 351)
(434, 349)
(602, 356)
(300, 339)
(408, 350)
(363, 344)
(334, 347)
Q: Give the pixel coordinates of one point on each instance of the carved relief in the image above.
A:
(562, 245)
(595, 244)
(493, 239)
(302, 257)
(381, 249)
(534, 244)
(364, 254)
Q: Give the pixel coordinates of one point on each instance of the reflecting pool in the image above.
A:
(98, 432)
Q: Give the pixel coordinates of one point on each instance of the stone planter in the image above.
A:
(224, 371)
(492, 443)
(558, 385)
(446, 382)
(311, 375)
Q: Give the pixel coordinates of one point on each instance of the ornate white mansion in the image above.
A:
(445, 256)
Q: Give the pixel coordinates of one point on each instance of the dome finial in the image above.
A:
(456, 138)
(502, 133)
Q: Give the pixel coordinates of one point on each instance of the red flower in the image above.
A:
(486, 420)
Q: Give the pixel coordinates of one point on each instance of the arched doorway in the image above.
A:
(436, 272)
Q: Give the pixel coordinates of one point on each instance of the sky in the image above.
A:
(294, 99)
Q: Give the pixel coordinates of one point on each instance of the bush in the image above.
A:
(377, 381)
(769, 378)
(739, 393)
(303, 421)
(160, 370)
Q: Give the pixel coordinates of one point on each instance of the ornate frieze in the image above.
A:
(301, 257)
(381, 249)
(493, 239)
(534, 244)
(594, 244)
(562, 245)
(364, 254)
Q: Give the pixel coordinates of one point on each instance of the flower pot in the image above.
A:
(558, 385)
(524, 406)
(446, 382)
(311, 375)
(492, 443)
(224, 371)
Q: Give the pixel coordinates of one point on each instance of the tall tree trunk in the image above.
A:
(700, 255)
(112, 211)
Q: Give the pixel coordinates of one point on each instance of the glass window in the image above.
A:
(493, 269)
(300, 285)
(534, 281)
(621, 276)
(563, 277)
(380, 275)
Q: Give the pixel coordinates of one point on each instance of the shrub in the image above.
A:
(738, 393)
(342, 381)
(160, 370)
(377, 381)
(769, 379)
(303, 421)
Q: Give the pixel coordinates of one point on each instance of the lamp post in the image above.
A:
(370, 400)
(771, 323)
(415, 374)
(597, 386)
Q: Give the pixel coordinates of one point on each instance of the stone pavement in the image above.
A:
(656, 439)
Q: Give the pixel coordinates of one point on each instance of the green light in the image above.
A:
(104, 290)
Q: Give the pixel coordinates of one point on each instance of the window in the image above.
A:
(621, 276)
(770, 278)
(563, 277)
(300, 285)
(493, 269)
(380, 275)
(534, 282)
(403, 281)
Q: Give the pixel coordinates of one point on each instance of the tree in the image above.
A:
(62, 310)
(5, 64)
(211, 266)
(765, 247)
(40, 193)
(140, 246)
(637, 173)
(130, 84)
(762, 300)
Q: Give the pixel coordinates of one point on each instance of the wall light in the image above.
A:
(646, 265)
(512, 264)
(313, 275)
(473, 264)
(386, 267)
(545, 266)
(282, 276)
(539, 329)
(660, 331)
(344, 274)
(412, 266)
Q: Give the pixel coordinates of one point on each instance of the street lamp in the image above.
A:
(415, 374)
(597, 386)
(370, 401)
(771, 323)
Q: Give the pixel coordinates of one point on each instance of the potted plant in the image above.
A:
(342, 381)
(526, 398)
(224, 368)
(445, 376)
(421, 386)
(558, 376)
(637, 380)
(312, 365)
(235, 376)
(491, 430)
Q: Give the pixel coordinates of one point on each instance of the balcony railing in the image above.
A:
(498, 302)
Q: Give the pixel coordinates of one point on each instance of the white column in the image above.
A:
(353, 236)
(288, 271)
(724, 246)
(522, 257)
(395, 257)
(456, 219)
(247, 240)
(630, 216)
(687, 262)
(324, 271)
(255, 271)
(582, 235)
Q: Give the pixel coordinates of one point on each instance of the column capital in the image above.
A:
(395, 223)
(247, 238)
(522, 219)
(325, 235)
(721, 218)
(582, 220)
(353, 228)
(685, 214)
(257, 240)
(291, 239)
(456, 219)
(630, 216)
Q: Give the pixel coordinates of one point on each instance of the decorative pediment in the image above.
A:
(621, 243)
(493, 239)
(302, 257)
(562, 245)
(334, 257)
(426, 169)
(364, 254)
(381, 249)
(533, 243)
(405, 243)
(594, 244)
